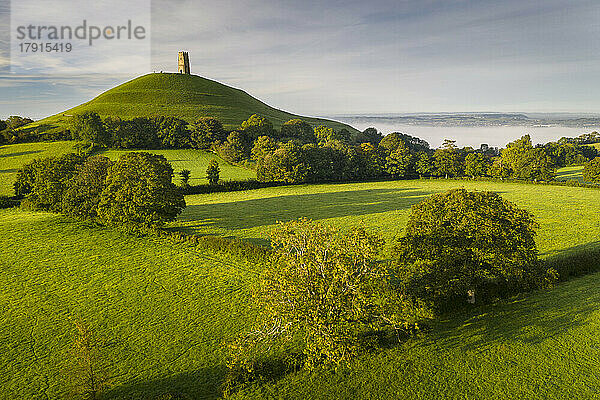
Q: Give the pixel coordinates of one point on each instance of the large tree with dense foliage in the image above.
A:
(205, 132)
(370, 135)
(83, 191)
(172, 132)
(447, 160)
(298, 129)
(399, 162)
(414, 144)
(236, 148)
(139, 190)
(591, 170)
(283, 165)
(256, 126)
(89, 127)
(527, 162)
(476, 164)
(326, 291)
(462, 242)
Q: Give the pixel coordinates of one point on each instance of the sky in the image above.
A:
(352, 57)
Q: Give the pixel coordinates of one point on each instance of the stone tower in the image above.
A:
(183, 63)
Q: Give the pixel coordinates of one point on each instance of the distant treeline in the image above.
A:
(299, 152)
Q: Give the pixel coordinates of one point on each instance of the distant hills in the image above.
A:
(479, 119)
(188, 97)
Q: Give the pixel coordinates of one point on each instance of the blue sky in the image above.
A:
(342, 57)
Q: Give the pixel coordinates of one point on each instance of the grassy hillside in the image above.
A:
(385, 206)
(570, 173)
(195, 161)
(13, 156)
(167, 309)
(188, 97)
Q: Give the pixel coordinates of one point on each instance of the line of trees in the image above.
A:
(136, 190)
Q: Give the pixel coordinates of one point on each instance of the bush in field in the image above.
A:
(236, 148)
(205, 132)
(324, 296)
(213, 172)
(462, 242)
(43, 182)
(89, 128)
(591, 170)
(83, 192)
(184, 175)
(139, 190)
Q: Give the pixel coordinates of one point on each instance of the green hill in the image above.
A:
(188, 97)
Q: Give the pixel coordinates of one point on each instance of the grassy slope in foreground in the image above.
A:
(194, 160)
(188, 97)
(168, 309)
(13, 156)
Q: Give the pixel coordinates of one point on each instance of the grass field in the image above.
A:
(195, 161)
(570, 173)
(13, 156)
(188, 97)
(167, 310)
(568, 216)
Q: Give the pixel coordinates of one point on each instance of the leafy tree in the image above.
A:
(82, 195)
(298, 129)
(327, 292)
(236, 148)
(414, 144)
(283, 165)
(205, 132)
(89, 127)
(263, 146)
(476, 164)
(527, 162)
(591, 170)
(3, 125)
(43, 182)
(499, 169)
(184, 175)
(370, 135)
(137, 133)
(139, 190)
(256, 126)
(462, 242)
(212, 172)
(373, 162)
(324, 133)
(322, 163)
(172, 132)
(447, 160)
(14, 121)
(399, 161)
(424, 165)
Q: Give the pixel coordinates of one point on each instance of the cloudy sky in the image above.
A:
(342, 57)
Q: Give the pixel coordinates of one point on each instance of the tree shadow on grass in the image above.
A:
(267, 211)
(201, 384)
(529, 317)
(20, 153)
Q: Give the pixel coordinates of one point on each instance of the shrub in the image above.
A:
(236, 148)
(212, 172)
(462, 242)
(591, 170)
(82, 196)
(184, 175)
(139, 190)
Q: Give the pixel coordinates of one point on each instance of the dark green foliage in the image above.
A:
(447, 160)
(8, 202)
(370, 135)
(44, 182)
(205, 132)
(212, 172)
(526, 162)
(139, 191)
(15, 121)
(263, 146)
(89, 128)
(298, 129)
(172, 132)
(459, 242)
(283, 165)
(229, 186)
(256, 126)
(83, 193)
(325, 134)
(399, 162)
(3, 125)
(414, 144)
(564, 154)
(138, 133)
(236, 148)
(591, 170)
(424, 165)
(476, 164)
(184, 175)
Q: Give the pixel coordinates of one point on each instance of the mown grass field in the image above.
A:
(188, 97)
(194, 160)
(570, 173)
(13, 156)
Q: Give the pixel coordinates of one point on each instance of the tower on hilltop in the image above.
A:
(183, 62)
